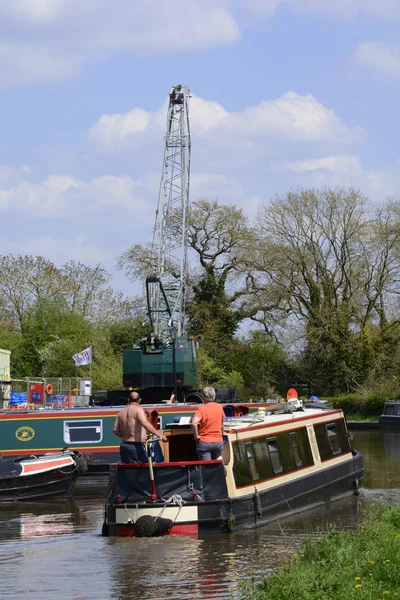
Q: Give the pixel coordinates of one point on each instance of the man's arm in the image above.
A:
(194, 425)
(116, 428)
(149, 427)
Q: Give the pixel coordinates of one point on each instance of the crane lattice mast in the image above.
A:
(166, 289)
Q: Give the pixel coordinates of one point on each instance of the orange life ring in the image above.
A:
(49, 389)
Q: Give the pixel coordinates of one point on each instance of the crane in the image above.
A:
(166, 289)
(165, 360)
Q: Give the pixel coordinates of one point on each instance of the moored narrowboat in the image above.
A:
(87, 430)
(33, 478)
(390, 418)
(273, 465)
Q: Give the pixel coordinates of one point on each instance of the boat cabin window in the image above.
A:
(83, 432)
(181, 345)
(333, 438)
(295, 449)
(274, 455)
(392, 409)
(251, 461)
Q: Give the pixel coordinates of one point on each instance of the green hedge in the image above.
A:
(355, 404)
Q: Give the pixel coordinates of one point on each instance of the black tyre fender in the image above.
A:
(230, 522)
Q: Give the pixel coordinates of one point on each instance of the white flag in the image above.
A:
(83, 358)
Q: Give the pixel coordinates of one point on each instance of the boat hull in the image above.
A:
(34, 479)
(389, 423)
(248, 511)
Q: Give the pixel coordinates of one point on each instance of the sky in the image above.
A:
(285, 94)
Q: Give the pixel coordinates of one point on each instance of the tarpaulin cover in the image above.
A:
(206, 481)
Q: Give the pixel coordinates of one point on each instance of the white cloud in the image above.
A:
(63, 195)
(51, 40)
(333, 164)
(57, 248)
(221, 187)
(44, 40)
(346, 170)
(113, 129)
(291, 118)
(378, 56)
(348, 9)
(10, 173)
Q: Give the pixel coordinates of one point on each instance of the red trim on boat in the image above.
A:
(166, 464)
(182, 529)
(46, 464)
(58, 413)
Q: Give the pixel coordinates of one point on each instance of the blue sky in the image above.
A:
(286, 93)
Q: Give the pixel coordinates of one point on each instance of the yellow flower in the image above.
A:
(358, 578)
(370, 562)
(386, 592)
(387, 560)
(358, 585)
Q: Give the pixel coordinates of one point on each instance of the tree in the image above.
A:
(81, 289)
(330, 263)
(126, 333)
(263, 364)
(215, 235)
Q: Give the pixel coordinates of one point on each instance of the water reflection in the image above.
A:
(174, 567)
(52, 518)
(381, 451)
(33, 523)
(58, 552)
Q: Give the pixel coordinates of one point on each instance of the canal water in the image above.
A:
(55, 550)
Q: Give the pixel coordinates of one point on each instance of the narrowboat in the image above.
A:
(390, 418)
(33, 478)
(87, 430)
(274, 464)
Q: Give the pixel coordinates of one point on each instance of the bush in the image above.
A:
(356, 404)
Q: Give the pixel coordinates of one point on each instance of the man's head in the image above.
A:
(208, 394)
(134, 398)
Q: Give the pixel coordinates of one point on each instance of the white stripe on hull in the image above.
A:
(175, 513)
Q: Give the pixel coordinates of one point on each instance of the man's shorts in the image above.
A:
(133, 452)
(209, 450)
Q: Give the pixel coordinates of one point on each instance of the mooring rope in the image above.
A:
(174, 500)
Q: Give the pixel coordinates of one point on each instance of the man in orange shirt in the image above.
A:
(207, 427)
(132, 425)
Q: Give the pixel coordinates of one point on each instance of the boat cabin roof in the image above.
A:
(267, 418)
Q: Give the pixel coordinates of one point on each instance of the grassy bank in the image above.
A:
(362, 564)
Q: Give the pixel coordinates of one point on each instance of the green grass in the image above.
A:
(372, 418)
(361, 564)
